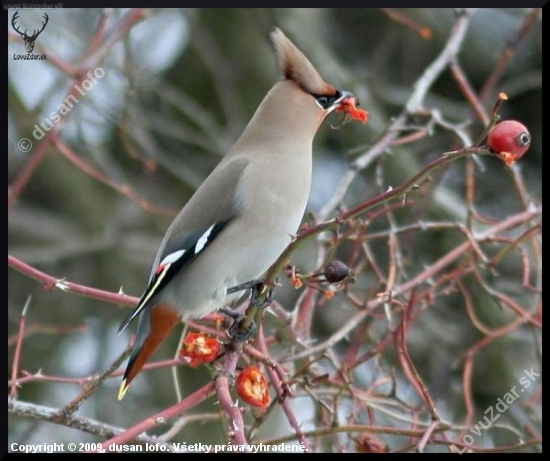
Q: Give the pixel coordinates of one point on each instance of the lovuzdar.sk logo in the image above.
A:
(29, 39)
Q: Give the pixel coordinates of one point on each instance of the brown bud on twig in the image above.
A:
(337, 271)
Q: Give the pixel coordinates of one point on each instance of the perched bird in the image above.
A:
(244, 215)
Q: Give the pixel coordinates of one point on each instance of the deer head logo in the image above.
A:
(29, 41)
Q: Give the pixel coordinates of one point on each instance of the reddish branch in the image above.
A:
(50, 283)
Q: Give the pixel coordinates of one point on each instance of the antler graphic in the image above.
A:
(29, 41)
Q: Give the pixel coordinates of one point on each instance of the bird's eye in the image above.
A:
(325, 102)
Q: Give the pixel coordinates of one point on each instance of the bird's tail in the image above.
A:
(157, 324)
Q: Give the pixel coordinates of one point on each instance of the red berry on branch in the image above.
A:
(509, 139)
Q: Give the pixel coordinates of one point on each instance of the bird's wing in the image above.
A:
(176, 254)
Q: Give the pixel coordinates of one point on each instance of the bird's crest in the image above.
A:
(295, 66)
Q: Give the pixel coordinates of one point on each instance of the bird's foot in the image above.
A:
(240, 334)
(245, 286)
(243, 326)
(236, 331)
(256, 298)
(258, 288)
(231, 313)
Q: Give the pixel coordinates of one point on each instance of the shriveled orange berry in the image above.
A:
(252, 387)
(199, 348)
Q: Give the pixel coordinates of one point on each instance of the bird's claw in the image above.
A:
(258, 287)
(245, 286)
(256, 299)
(236, 332)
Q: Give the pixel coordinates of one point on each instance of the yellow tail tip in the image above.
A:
(123, 389)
